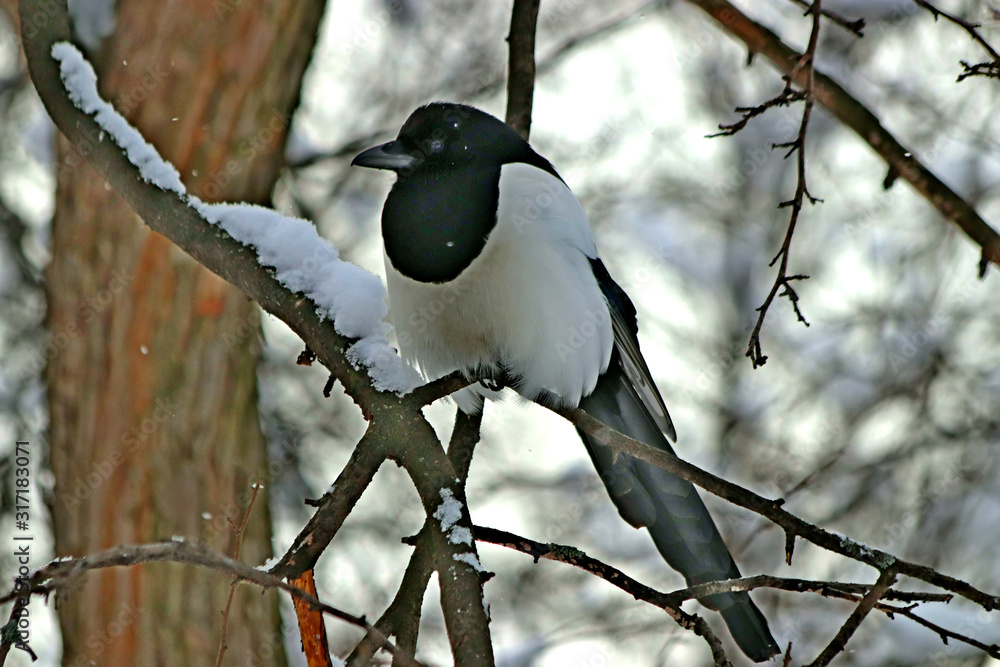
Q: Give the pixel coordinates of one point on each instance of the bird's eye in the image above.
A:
(436, 145)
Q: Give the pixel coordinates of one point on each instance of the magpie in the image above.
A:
(492, 269)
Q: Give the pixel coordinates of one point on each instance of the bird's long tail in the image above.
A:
(671, 509)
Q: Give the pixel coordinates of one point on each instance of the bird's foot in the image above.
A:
(493, 384)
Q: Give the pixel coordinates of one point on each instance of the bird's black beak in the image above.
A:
(387, 156)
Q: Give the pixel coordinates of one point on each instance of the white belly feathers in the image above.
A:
(529, 301)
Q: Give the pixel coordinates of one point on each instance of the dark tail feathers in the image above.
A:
(671, 509)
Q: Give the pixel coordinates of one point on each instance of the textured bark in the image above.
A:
(152, 385)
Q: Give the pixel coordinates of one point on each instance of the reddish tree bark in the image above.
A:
(152, 373)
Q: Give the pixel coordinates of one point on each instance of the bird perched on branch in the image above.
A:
(492, 269)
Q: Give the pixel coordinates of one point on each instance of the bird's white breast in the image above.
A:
(529, 301)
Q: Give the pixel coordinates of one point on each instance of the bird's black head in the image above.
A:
(443, 136)
(443, 207)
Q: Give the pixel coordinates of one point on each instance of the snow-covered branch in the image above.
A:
(283, 265)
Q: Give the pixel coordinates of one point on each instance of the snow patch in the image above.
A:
(449, 512)
(80, 81)
(268, 564)
(459, 535)
(303, 262)
(470, 559)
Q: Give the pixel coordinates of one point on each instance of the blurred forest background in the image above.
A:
(881, 420)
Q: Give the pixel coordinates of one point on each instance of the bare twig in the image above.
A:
(798, 146)
(773, 510)
(836, 646)
(669, 601)
(575, 557)
(238, 531)
(992, 650)
(855, 27)
(521, 65)
(832, 589)
(59, 573)
(988, 69)
(856, 116)
(783, 99)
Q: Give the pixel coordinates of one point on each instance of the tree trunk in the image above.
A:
(152, 385)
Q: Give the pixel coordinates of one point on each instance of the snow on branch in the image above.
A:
(251, 248)
(302, 261)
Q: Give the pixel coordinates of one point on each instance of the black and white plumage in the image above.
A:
(492, 269)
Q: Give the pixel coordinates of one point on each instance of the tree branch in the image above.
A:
(856, 116)
(521, 65)
(398, 429)
(672, 601)
(402, 617)
(798, 146)
(239, 531)
(992, 650)
(614, 576)
(855, 27)
(168, 214)
(438, 389)
(312, 629)
(332, 510)
(772, 510)
(989, 69)
(59, 573)
(837, 645)
(831, 589)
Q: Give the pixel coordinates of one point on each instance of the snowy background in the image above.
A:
(881, 420)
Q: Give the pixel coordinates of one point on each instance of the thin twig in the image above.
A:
(573, 556)
(849, 111)
(783, 99)
(798, 146)
(839, 590)
(59, 573)
(772, 510)
(855, 27)
(989, 69)
(238, 531)
(832, 589)
(992, 650)
(837, 645)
